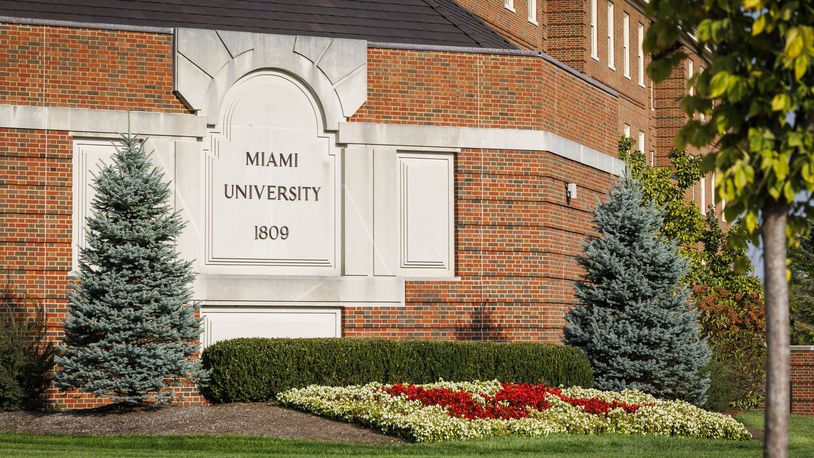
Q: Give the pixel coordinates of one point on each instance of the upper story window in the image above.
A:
(509, 4)
(626, 45)
(641, 144)
(627, 130)
(594, 34)
(703, 195)
(690, 73)
(611, 46)
(533, 11)
(703, 116)
(641, 55)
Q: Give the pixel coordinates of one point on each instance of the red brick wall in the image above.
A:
(478, 90)
(514, 25)
(802, 380)
(516, 240)
(516, 236)
(86, 68)
(569, 31)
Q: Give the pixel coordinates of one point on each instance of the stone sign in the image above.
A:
(271, 179)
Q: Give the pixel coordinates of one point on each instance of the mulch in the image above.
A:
(255, 419)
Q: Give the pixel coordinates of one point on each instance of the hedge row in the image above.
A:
(246, 370)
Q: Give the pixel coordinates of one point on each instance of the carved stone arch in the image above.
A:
(209, 62)
(272, 180)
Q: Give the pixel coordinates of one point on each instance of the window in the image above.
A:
(611, 60)
(594, 34)
(690, 72)
(626, 45)
(712, 186)
(703, 116)
(641, 142)
(641, 55)
(703, 195)
(533, 11)
(509, 4)
(627, 130)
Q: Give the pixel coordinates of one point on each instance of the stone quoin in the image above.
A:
(383, 170)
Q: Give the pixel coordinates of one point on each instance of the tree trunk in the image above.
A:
(776, 444)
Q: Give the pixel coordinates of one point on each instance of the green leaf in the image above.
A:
(788, 192)
(708, 162)
(805, 172)
(704, 31)
(718, 84)
(737, 88)
(740, 178)
(781, 168)
(794, 43)
(781, 102)
(751, 221)
(742, 264)
(774, 191)
(753, 4)
(800, 67)
(759, 25)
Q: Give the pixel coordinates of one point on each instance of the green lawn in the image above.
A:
(802, 445)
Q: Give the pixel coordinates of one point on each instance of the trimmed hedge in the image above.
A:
(246, 370)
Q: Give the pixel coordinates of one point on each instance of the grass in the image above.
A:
(802, 445)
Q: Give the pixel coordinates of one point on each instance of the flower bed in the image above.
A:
(451, 411)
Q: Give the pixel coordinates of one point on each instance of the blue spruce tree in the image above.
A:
(634, 321)
(131, 328)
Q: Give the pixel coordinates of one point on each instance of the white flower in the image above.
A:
(368, 405)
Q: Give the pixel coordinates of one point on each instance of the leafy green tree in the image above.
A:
(26, 353)
(758, 103)
(716, 257)
(634, 321)
(131, 328)
(667, 187)
(726, 296)
(801, 294)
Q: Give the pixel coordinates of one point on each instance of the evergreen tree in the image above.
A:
(801, 292)
(634, 321)
(131, 328)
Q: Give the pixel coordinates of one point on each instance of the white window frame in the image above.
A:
(594, 31)
(703, 116)
(641, 55)
(641, 142)
(690, 73)
(611, 44)
(626, 44)
(533, 11)
(509, 4)
(627, 130)
(703, 182)
(712, 188)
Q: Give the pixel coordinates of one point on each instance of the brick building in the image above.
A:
(440, 137)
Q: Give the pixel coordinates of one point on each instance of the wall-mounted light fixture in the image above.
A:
(570, 191)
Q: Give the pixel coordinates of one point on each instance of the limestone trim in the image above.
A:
(85, 25)
(290, 291)
(209, 62)
(473, 137)
(86, 120)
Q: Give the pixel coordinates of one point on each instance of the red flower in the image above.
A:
(511, 401)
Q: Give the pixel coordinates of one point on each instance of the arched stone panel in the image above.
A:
(209, 62)
(271, 181)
